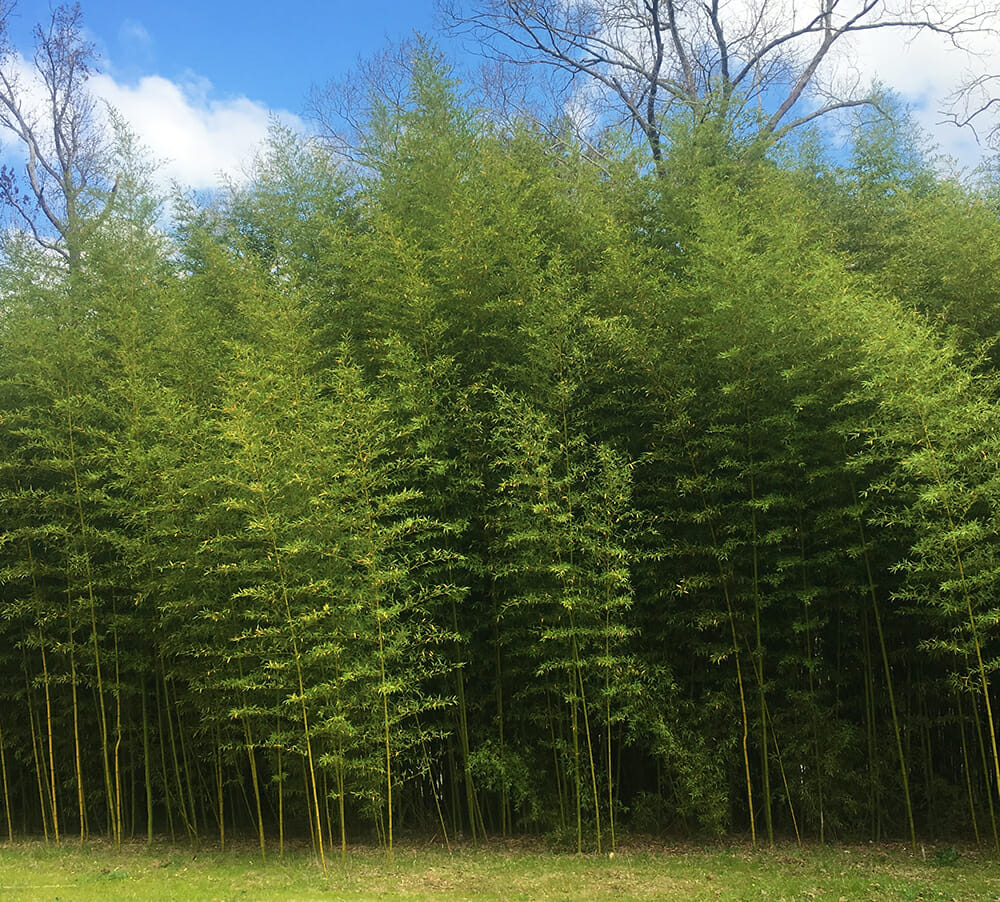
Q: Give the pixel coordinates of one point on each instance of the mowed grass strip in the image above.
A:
(94, 872)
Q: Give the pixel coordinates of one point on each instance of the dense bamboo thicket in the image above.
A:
(506, 486)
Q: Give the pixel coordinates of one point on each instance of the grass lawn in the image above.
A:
(35, 872)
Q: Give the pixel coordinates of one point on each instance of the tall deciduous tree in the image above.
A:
(67, 185)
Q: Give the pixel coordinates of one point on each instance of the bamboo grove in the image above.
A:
(506, 485)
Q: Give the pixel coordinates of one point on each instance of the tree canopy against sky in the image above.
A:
(649, 62)
(179, 74)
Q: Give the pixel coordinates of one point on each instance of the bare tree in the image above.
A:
(652, 58)
(343, 109)
(47, 108)
(974, 106)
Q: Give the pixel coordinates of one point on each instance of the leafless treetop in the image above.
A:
(47, 108)
(650, 58)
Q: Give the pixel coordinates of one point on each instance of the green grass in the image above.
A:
(94, 872)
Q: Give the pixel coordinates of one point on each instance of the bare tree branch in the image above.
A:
(53, 118)
(709, 57)
(972, 106)
(342, 109)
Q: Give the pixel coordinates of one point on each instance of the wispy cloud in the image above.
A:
(133, 34)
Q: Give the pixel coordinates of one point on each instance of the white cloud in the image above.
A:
(925, 70)
(198, 137)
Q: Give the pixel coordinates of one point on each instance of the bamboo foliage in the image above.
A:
(562, 521)
(492, 484)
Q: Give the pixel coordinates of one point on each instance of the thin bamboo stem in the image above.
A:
(965, 768)
(967, 595)
(986, 775)
(6, 789)
(887, 670)
(255, 783)
(36, 594)
(147, 764)
(113, 815)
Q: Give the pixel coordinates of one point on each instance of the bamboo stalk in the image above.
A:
(463, 737)
(71, 644)
(965, 767)
(187, 816)
(887, 670)
(38, 758)
(586, 727)
(255, 783)
(986, 775)
(758, 664)
(113, 817)
(6, 788)
(220, 806)
(817, 757)
(147, 764)
(161, 715)
(960, 562)
(36, 594)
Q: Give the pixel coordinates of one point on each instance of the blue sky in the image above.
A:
(199, 80)
(269, 52)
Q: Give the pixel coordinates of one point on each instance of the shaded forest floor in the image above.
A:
(731, 872)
